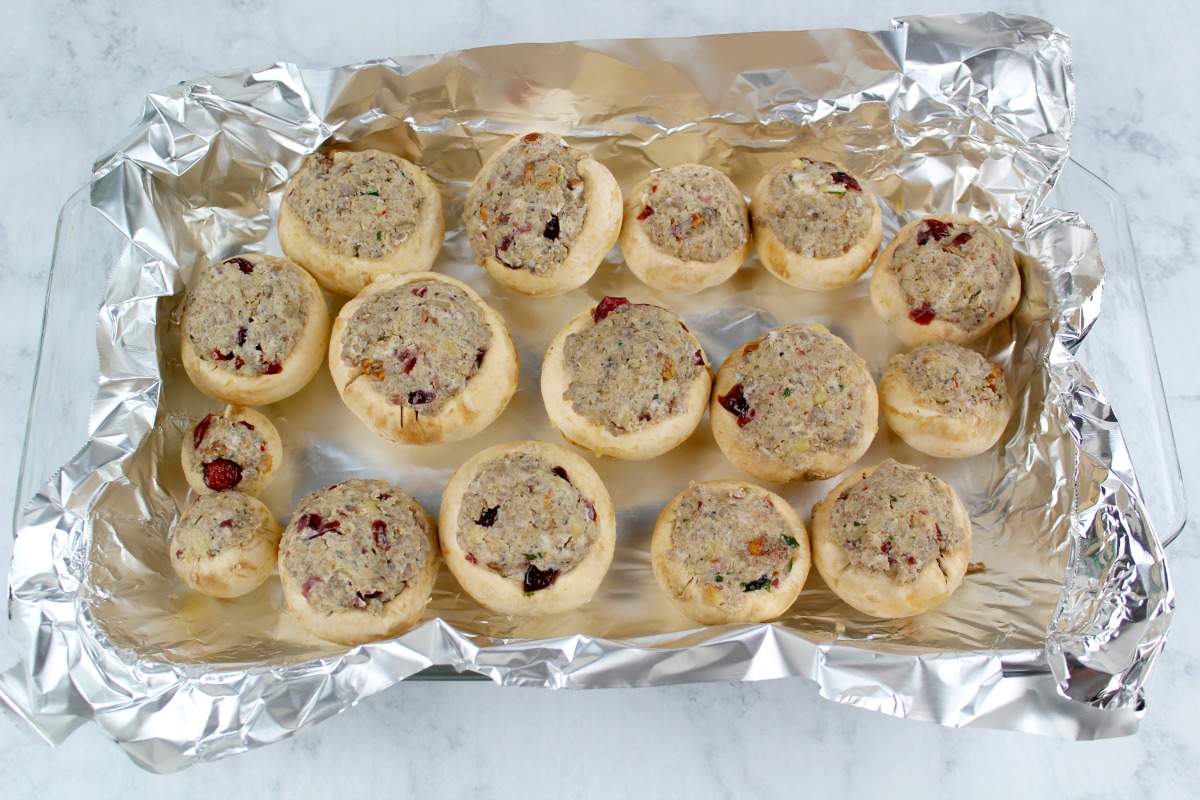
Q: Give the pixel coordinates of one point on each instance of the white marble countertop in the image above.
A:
(72, 75)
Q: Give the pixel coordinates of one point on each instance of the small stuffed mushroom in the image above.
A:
(946, 278)
(816, 226)
(730, 551)
(541, 215)
(358, 561)
(528, 528)
(626, 380)
(254, 329)
(422, 359)
(686, 228)
(237, 448)
(945, 400)
(350, 217)
(892, 540)
(794, 404)
(225, 544)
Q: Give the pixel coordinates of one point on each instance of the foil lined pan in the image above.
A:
(969, 114)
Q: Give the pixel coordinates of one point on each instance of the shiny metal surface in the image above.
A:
(969, 114)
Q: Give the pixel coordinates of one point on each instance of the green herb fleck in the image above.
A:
(789, 566)
(379, 236)
(893, 497)
(841, 387)
(529, 594)
(858, 524)
(532, 556)
(790, 541)
(787, 392)
(720, 579)
(371, 194)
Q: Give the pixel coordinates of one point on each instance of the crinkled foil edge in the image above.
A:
(1086, 681)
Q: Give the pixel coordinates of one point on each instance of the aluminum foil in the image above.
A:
(972, 114)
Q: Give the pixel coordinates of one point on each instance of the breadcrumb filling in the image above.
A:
(896, 522)
(524, 519)
(357, 204)
(530, 206)
(355, 546)
(732, 542)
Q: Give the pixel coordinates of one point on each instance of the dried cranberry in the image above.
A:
(551, 231)
(538, 579)
(531, 137)
(911, 560)
(408, 360)
(735, 403)
(506, 242)
(222, 474)
(922, 315)
(226, 523)
(886, 547)
(846, 180)
(479, 354)
(274, 368)
(934, 229)
(421, 397)
(938, 528)
(317, 524)
(384, 496)
(326, 527)
(247, 424)
(379, 532)
(607, 306)
(698, 359)
(312, 581)
(242, 264)
(420, 291)
(201, 431)
(647, 211)
(761, 583)
(961, 239)
(217, 355)
(238, 362)
(471, 558)
(562, 473)
(309, 521)
(487, 517)
(241, 337)
(591, 510)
